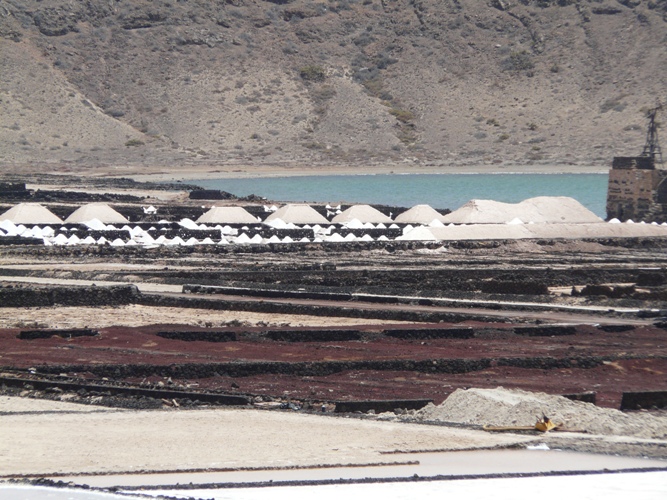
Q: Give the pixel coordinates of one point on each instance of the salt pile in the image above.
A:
(227, 215)
(95, 225)
(542, 209)
(276, 223)
(354, 224)
(419, 214)
(298, 214)
(514, 407)
(30, 213)
(420, 233)
(100, 212)
(533, 231)
(364, 213)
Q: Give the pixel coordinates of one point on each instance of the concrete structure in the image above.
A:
(637, 190)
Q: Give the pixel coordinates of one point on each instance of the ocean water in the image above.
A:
(438, 190)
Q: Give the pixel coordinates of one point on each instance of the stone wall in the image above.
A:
(68, 296)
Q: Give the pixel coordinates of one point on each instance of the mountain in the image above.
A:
(178, 82)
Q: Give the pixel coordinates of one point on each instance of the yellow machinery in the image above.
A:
(543, 424)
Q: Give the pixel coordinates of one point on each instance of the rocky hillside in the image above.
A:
(94, 82)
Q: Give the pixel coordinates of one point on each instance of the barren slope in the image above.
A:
(340, 81)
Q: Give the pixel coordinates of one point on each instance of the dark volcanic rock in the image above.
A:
(69, 296)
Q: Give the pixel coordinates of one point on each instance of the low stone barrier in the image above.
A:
(313, 335)
(431, 333)
(246, 369)
(250, 292)
(616, 328)
(585, 397)
(380, 406)
(205, 336)
(316, 334)
(68, 296)
(545, 331)
(644, 400)
(311, 310)
(515, 287)
(111, 390)
(66, 334)
(20, 240)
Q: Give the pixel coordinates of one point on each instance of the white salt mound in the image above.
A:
(541, 209)
(298, 214)
(419, 214)
(365, 213)
(514, 407)
(96, 211)
(227, 215)
(30, 213)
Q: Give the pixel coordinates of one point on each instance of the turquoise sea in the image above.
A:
(438, 190)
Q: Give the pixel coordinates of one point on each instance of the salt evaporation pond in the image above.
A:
(459, 463)
(438, 190)
(647, 486)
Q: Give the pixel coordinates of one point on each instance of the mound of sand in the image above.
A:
(514, 407)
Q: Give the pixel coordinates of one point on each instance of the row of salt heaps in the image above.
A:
(151, 237)
(630, 221)
(349, 230)
(137, 236)
(8, 228)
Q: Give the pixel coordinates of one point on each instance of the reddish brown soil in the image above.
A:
(636, 360)
(608, 382)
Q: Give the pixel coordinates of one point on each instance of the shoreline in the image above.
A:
(184, 173)
(256, 172)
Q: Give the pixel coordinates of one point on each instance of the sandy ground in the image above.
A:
(253, 171)
(39, 440)
(11, 406)
(138, 315)
(167, 196)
